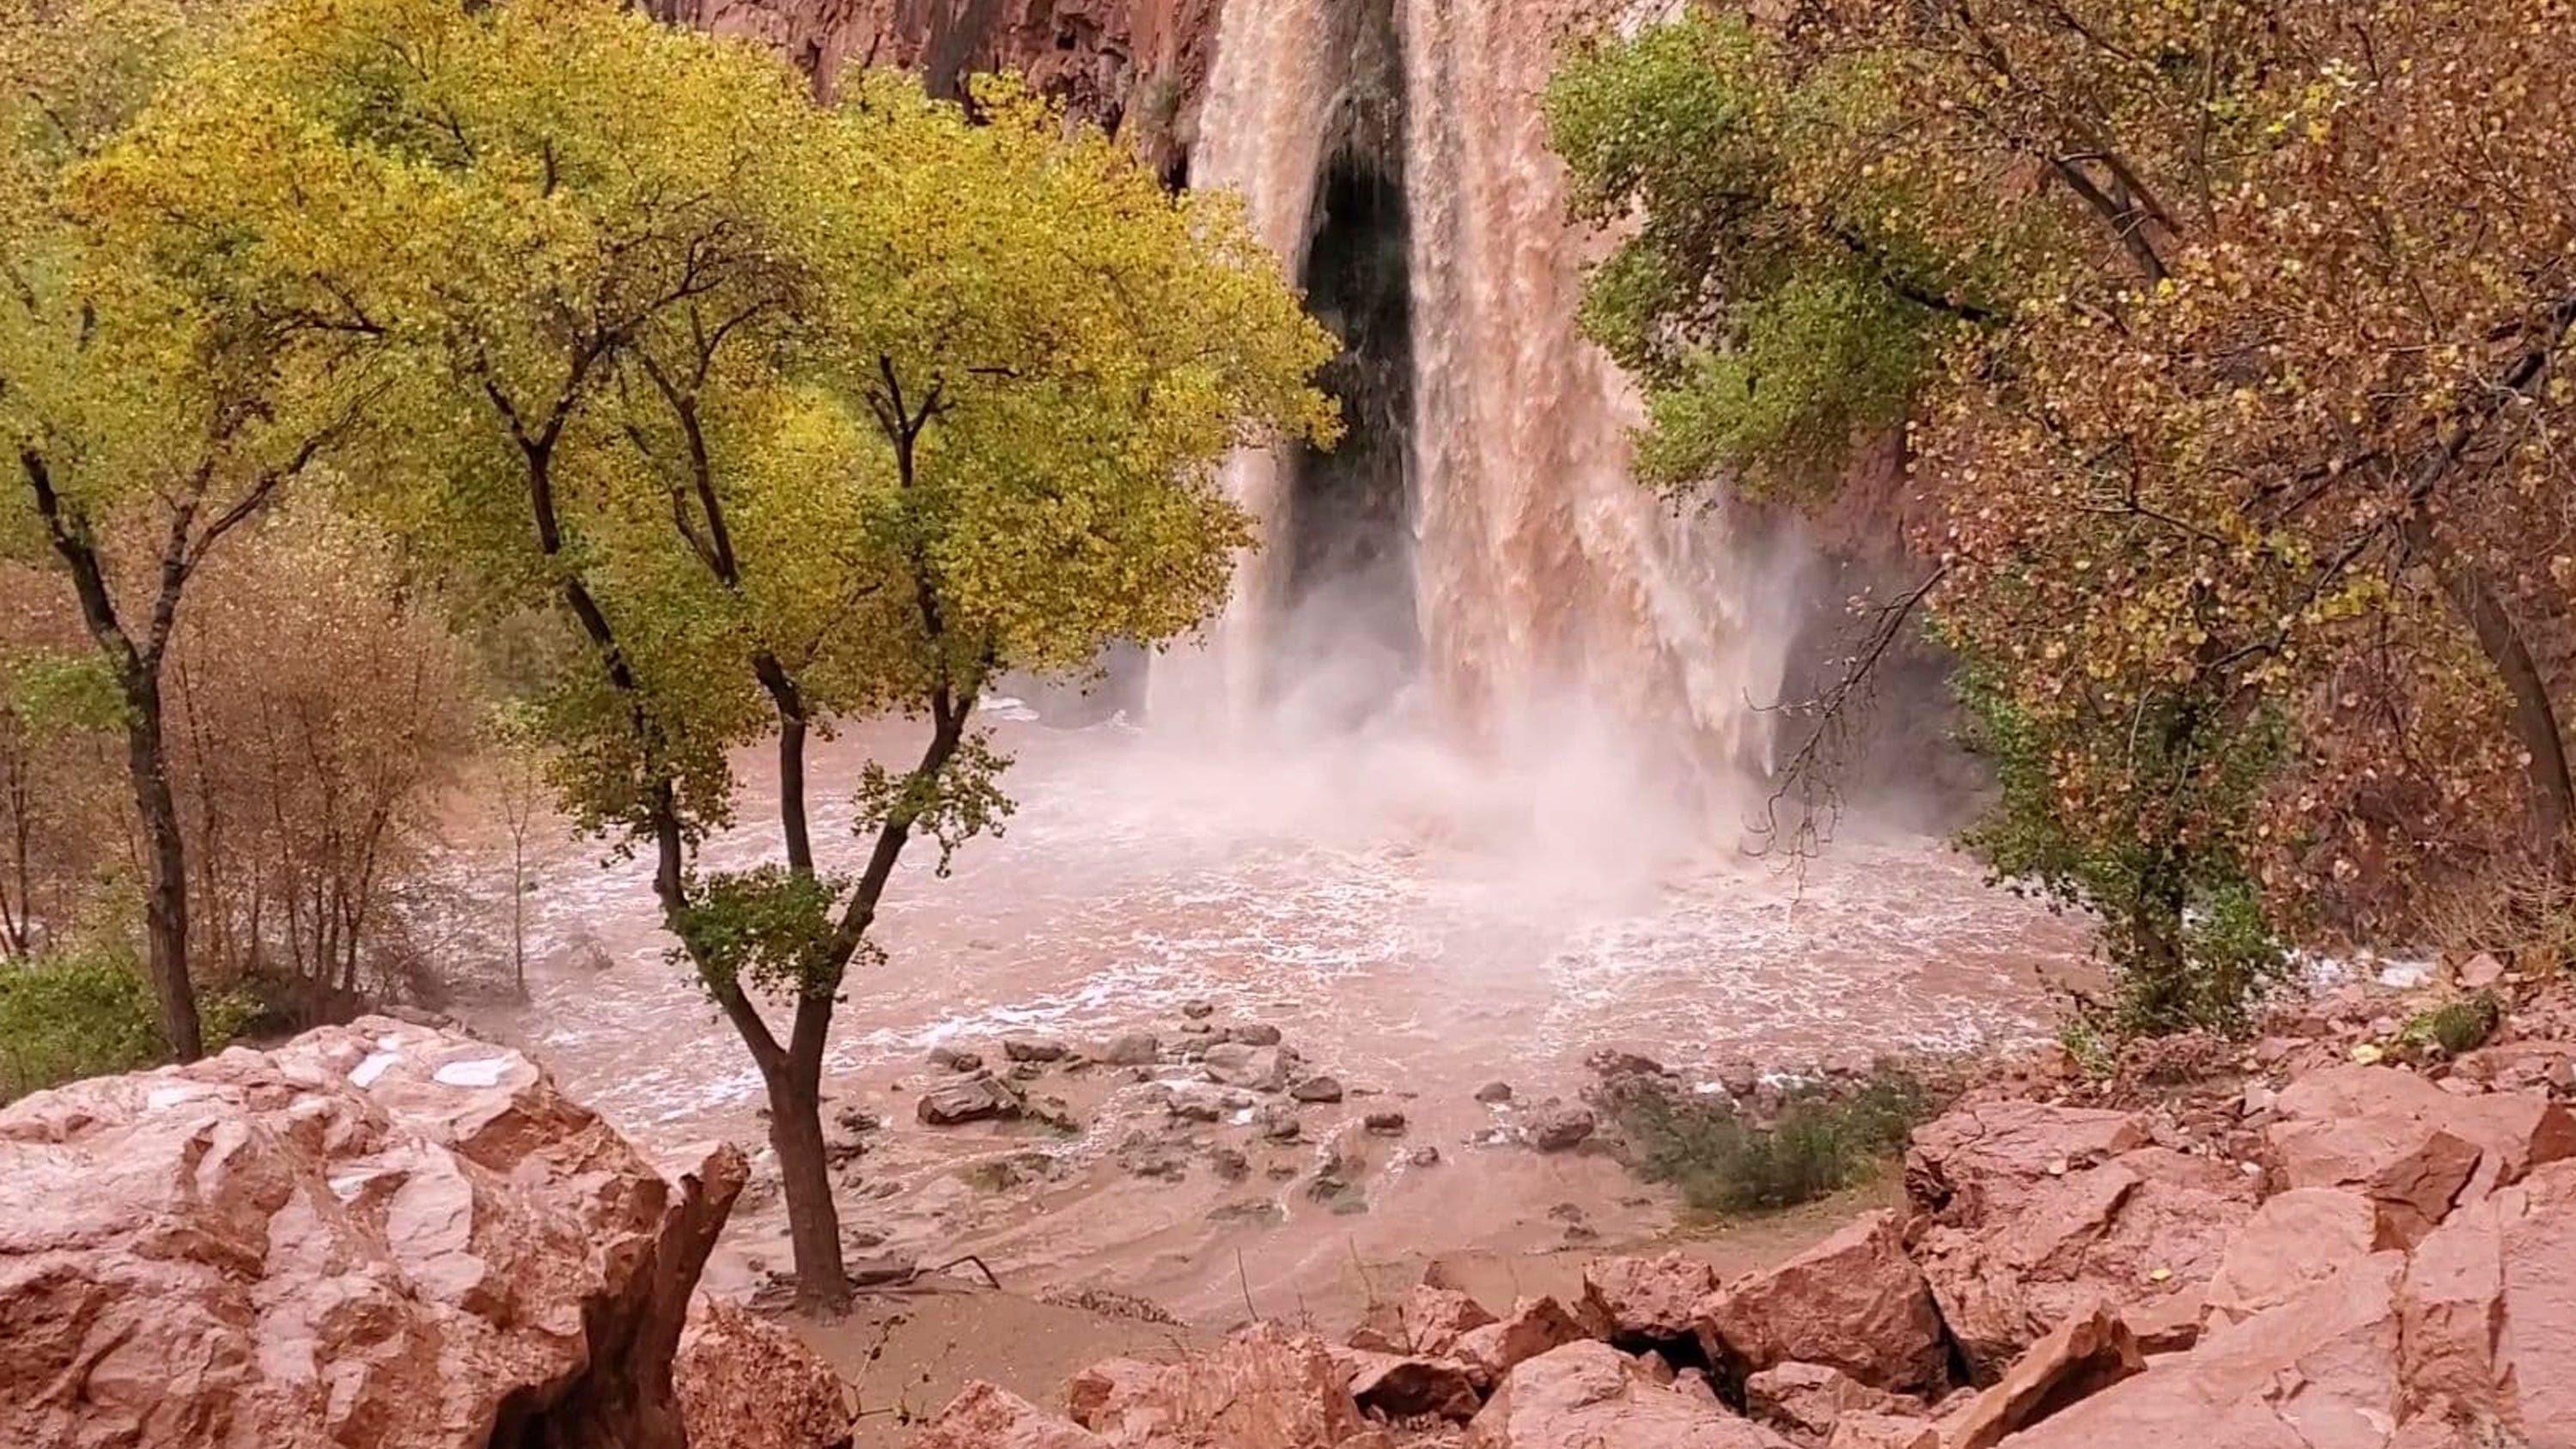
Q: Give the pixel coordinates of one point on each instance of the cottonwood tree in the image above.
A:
(794, 416)
(2228, 335)
(145, 423)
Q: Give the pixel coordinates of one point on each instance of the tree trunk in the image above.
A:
(813, 1218)
(2533, 719)
(165, 902)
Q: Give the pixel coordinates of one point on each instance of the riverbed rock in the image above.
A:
(1035, 1049)
(956, 1059)
(2080, 1357)
(1806, 1400)
(746, 1383)
(2295, 1240)
(1854, 1301)
(1131, 1049)
(2145, 1227)
(1589, 1395)
(1979, 1160)
(979, 1098)
(379, 1234)
(1384, 1123)
(1559, 1126)
(1318, 1088)
(1648, 1299)
(1253, 1033)
(1263, 1388)
(2488, 1309)
(1238, 1064)
(1533, 1327)
(985, 1417)
(1402, 1386)
(1494, 1092)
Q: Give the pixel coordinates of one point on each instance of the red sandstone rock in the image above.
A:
(2318, 1372)
(1853, 1301)
(1805, 1400)
(1648, 1298)
(1980, 1159)
(2295, 1240)
(1427, 1321)
(1588, 1395)
(984, 1417)
(1534, 1326)
(1264, 1388)
(2376, 1128)
(747, 1383)
(2488, 1305)
(2077, 1359)
(2150, 1224)
(1404, 1387)
(380, 1234)
(1884, 1431)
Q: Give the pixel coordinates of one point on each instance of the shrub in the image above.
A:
(88, 1012)
(1724, 1162)
(2459, 1025)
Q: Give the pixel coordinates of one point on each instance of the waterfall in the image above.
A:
(1546, 587)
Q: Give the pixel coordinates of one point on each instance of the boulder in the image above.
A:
(2488, 1308)
(1806, 1400)
(1884, 1431)
(2317, 1372)
(747, 1383)
(1591, 1396)
(2078, 1358)
(1235, 1064)
(1979, 1160)
(1854, 1302)
(1317, 1089)
(1402, 1386)
(1651, 1299)
(1558, 1127)
(1035, 1049)
(1533, 1327)
(2376, 1128)
(1428, 1320)
(1260, 1034)
(1263, 1388)
(2296, 1239)
(979, 1098)
(1131, 1049)
(2147, 1226)
(379, 1234)
(984, 1417)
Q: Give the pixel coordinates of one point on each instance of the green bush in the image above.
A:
(2456, 1026)
(1723, 1162)
(85, 1013)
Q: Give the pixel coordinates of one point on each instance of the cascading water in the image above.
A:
(1543, 589)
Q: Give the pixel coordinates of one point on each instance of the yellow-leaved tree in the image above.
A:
(789, 415)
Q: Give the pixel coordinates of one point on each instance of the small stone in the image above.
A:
(2480, 972)
(1279, 1122)
(971, 1099)
(851, 1119)
(1493, 1092)
(1026, 1071)
(1739, 1076)
(1230, 1165)
(1197, 1029)
(1196, 1107)
(1259, 1034)
(1384, 1124)
(1198, 1010)
(1425, 1155)
(1317, 1089)
(1034, 1049)
(1131, 1049)
(956, 1059)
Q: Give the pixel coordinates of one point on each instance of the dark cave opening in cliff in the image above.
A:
(1351, 641)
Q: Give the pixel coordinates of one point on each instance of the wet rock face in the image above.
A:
(378, 1234)
(1136, 67)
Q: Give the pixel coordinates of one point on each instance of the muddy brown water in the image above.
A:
(1416, 924)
